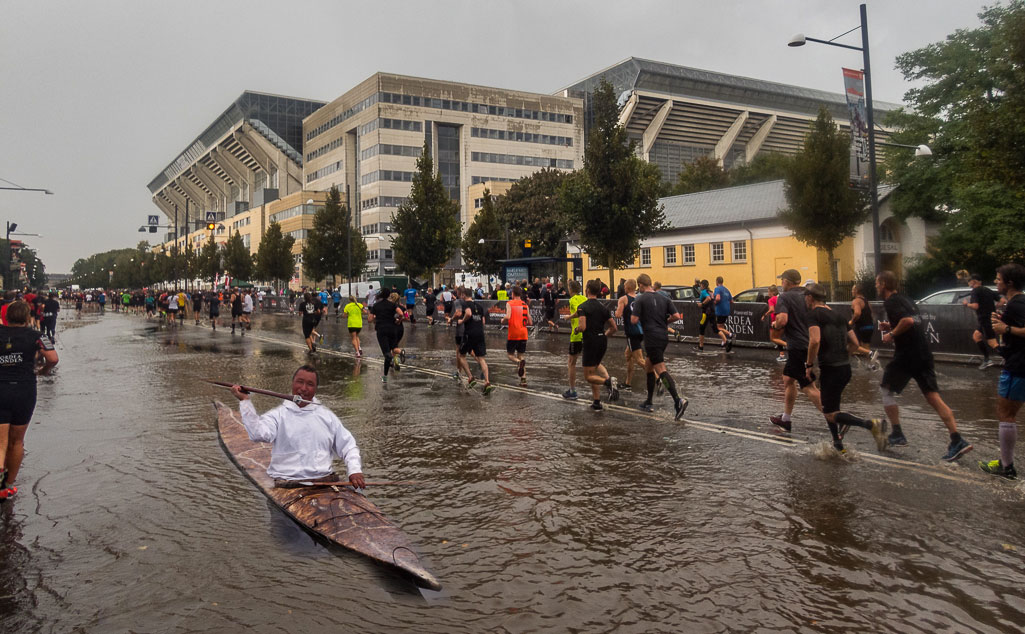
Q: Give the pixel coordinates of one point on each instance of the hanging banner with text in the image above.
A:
(854, 88)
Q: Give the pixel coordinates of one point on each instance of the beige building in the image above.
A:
(367, 142)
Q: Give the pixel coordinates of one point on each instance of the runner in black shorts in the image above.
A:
(598, 325)
(19, 346)
(653, 311)
(983, 301)
(469, 317)
(213, 302)
(634, 335)
(707, 320)
(829, 338)
(310, 308)
(912, 359)
(386, 315)
(791, 318)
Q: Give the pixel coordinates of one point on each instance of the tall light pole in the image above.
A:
(873, 186)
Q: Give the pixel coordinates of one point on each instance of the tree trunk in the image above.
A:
(832, 277)
(612, 278)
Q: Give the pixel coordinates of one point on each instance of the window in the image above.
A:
(718, 253)
(646, 256)
(525, 137)
(516, 159)
(670, 256)
(688, 254)
(740, 251)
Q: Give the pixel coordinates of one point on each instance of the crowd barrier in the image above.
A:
(948, 327)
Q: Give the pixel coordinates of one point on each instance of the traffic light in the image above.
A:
(210, 226)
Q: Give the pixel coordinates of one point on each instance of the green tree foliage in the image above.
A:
(823, 208)
(210, 261)
(767, 166)
(969, 105)
(237, 260)
(702, 174)
(531, 208)
(612, 203)
(325, 253)
(487, 225)
(274, 259)
(94, 271)
(35, 270)
(426, 224)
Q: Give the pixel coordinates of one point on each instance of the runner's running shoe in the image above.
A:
(729, 341)
(646, 407)
(995, 467)
(879, 432)
(613, 390)
(956, 449)
(570, 395)
(897, 440)
(779, 422)
(596, 406)
(521, 368)
(681, 407)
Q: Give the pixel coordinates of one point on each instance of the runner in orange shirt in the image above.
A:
(517, 316)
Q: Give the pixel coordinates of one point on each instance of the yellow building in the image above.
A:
(734, 233)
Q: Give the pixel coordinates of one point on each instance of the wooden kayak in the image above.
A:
(338, 514)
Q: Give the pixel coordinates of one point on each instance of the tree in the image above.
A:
(767, 166)
(823, 209)
(35, 270)
(326, 253)
(274, 259)
(237, 260)
(209, 262)
(969, 104)
(488, 226)
(426, 224)
(531, 209)
(702, 174)
(613, 202)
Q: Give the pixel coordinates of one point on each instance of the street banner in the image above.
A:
(854, 88)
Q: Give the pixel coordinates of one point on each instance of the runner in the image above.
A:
(548, 299)
(371, 296)
(213, 302)
(983, 302)
(597, 324)
(517, 316)
(430, 306)
(400, 329)
(410, 296)
(446, 300)
(862, 323)
(236, 310)
(912, 359)
(50, 309)
(707, 319)
(310, 309)
(775, 336)
(197, 305)
(386, 315)
(471, 321)
(149, 306)
(247, 311)
(829, 338)
(792, 319)
(171, 301)
(723, 300)
(634, 335)
(18, 354)
(354, 321)
(180, 299)
(576, 338)
(1011, 390)
(654, 312)
(336, 299)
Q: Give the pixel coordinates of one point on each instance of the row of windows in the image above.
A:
(375, 255)
(299, 234)
(390, 150)
(391, 124)
(479, 108)
(479, 202)
(477, 180)
(338, 118)
(324, 171)
(387, 175)
(241, 223)
(377, 227)
(324, 149)
(440, 104)
(517, 159)
(716, 253)
(526, 137)
(381, 201)
(292, 212)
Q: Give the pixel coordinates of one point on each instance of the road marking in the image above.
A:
(936, 472)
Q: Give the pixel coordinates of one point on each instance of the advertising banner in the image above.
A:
(854, 88)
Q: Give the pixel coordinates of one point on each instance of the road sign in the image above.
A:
(211, 216)
(153, 220)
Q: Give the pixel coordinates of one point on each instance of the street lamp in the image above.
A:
(873, 186)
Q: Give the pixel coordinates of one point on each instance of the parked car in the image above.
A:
(949, 296)
(759, 295)
(680, 292)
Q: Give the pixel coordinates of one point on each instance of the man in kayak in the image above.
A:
(304, 436)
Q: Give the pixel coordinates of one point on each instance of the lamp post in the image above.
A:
(873, 186)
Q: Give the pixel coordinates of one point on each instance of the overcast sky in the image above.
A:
(97, 97)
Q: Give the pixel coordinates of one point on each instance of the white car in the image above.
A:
(949, 296)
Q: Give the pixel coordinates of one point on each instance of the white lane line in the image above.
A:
(936, 472)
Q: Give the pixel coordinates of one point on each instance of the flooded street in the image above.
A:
(535, 513)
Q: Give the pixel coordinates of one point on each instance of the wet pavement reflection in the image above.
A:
(536, 513)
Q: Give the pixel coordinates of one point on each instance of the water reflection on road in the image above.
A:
(535, 513)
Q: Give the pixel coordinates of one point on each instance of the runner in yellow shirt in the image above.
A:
(576, 338)
(354, 320)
